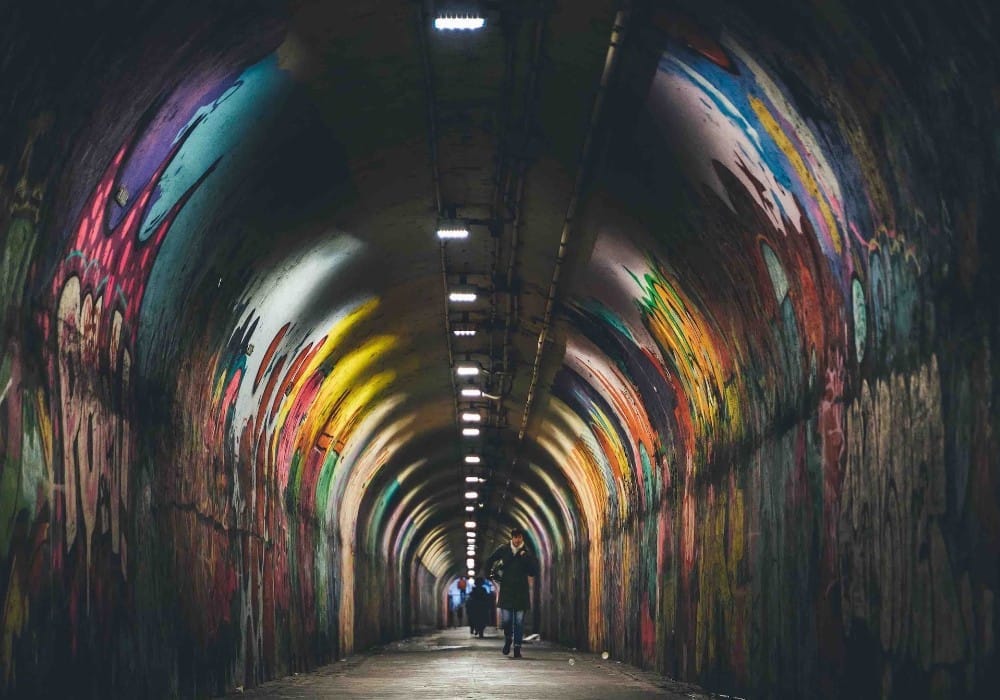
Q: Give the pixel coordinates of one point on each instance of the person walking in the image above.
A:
(479, 604)
(511, 565)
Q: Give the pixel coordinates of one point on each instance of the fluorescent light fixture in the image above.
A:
(470, 535)
(470, 523)
(464, 332)
(470, 417)
(468, 23)
(469, 509)
(472, 459)
(452, 232)
(463, 297)
(470, 563)
(470, 432)
(472, 572)
(472, 393)
(471, 495)
(467, 370)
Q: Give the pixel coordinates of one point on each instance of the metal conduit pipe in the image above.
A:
(422, 24)
(496, 200)
(610, 61)
(617, 34)
(530, 95)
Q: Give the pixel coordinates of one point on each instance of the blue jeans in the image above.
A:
(517, 617)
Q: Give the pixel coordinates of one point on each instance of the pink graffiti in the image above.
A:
(98, 291)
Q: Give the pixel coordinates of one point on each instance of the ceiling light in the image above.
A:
(469, 23)
(472, 459)
(467, 370)
(470, 432)
(470, 523)
(470, 535)
(470, 417)
(472, 479)
(472, 392)
(464, 332)
(452, 232)
(463, 297)
(470, 563)
(471, 495)
(469, 509)
(472, 572)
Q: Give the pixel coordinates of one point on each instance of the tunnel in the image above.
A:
(305, 304)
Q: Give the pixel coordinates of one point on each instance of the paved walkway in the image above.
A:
(453, 664)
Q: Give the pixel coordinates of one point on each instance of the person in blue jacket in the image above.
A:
(511, 566)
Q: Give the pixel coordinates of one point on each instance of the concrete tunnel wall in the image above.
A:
(765, 456)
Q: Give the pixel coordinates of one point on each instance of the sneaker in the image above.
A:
(517, 652)
(506, 646)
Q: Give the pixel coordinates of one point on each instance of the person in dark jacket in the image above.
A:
(479, 603)
(517, 564)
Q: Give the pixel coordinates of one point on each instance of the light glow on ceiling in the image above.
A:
(470, 417)
(472, 459)
(467, 370)
(470, 432)
(471, 392)
(450, 233)
(463, 297)
(471, 495)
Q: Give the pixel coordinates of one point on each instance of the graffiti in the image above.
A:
(97, 434)
(897, 573)
(25, 431)
(695, 353)
(98, 291)
(19, 240)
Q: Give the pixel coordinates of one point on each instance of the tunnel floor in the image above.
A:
(453, 664)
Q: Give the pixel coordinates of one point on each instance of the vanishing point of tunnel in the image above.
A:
(304, 304)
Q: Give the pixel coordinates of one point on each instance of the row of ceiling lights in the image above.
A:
(469, 417)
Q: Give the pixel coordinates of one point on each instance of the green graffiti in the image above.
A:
(323, 485)
(779, 281)
(860, 317)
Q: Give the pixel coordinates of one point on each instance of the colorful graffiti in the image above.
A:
(766, 462)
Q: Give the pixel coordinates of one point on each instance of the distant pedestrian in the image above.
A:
(480, 604)
(512, 565)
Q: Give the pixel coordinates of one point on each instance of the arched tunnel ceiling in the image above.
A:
(276, 251)
(684, 233)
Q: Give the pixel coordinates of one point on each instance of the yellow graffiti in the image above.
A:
(333, 339)
(695, 352)
(332, 413)
(801, 169)
(721, 604)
